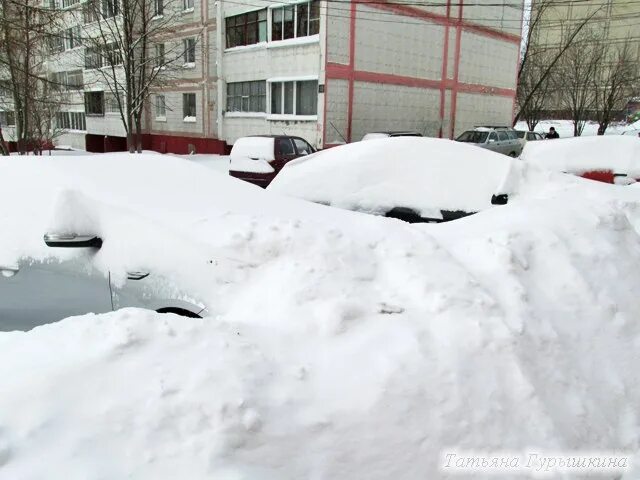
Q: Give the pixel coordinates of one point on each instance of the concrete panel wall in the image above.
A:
(338, 32)
(505, 16)
(413, 49)
(488, 61)
(174, 122)
(478, 109)
(337, 111)
(380, 107)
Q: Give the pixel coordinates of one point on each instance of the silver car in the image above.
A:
(36, 292)
(497, 139)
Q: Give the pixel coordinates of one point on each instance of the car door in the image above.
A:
(302, 147)
(492, 142)
(284, 153)
(503, 144)
(34, 293)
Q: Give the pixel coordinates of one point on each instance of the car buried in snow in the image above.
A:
(418, 180)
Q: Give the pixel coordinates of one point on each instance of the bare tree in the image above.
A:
(125, 48)
(614, 82)
(575, 77)
(540, 13)
(24, 32)
(534, 73)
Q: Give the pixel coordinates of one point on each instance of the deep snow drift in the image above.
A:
(343, 346)
(618, 154)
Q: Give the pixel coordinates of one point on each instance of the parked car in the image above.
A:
(497, 139)
(374, 135)
(605, 158)
(528, 137)
(150, 231)
(418, 180)
(258, 159)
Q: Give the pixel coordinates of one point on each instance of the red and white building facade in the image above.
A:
(329, 71)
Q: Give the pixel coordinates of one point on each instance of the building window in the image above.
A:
(111, 54)
(246, 29)
(72, 38)
(294, 98)
(189, 106)
(92, 58)
(293, 21)
(75, 80)
(56, 43)
(189, 50)
(69, 3)
(71, 121)
(161, 107)
(247, 96)
(94, 10)
(111, 103)
(158, 8)
(159, 58)
(7, 119)
(188, 4)
(94, 103)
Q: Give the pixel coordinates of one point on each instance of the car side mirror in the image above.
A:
(72, 240)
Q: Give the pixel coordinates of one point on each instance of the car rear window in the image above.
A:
(520, 134)
(473, 136)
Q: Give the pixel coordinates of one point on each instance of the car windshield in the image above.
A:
(473, 136)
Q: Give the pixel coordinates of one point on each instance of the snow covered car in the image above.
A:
(608, 158)
(402, 133)
(107, 231)
(410, 178)
(258, 159)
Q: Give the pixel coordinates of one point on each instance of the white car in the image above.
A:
(413, 179)
(103, 232)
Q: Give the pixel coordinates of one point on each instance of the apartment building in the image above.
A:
(613, 21)
(328, 71)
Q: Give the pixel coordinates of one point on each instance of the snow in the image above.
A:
(218, 163)
(424, 174)
(253, 147)
(619, 154)
(343, 356)
(374, 136)
(254, 165)
(565, 128)
(340, 346)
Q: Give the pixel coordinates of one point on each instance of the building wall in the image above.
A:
(400, 67)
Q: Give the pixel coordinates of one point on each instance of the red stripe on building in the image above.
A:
(409, 11)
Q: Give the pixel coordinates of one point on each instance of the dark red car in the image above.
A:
(258, 159)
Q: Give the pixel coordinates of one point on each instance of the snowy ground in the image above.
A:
(218, 163)
(565, 128)
(344, 347)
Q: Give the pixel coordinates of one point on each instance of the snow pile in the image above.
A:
(565, 128)
(618, 154)
(254, 147)
(342, 356)
(424, 174)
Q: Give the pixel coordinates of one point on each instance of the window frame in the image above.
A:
(188, 50)
(309, 7)
(188, 5)
(87, 103)
(238, 26)
(157, 103)
(235, 95)
(275, 115)
(186, 117)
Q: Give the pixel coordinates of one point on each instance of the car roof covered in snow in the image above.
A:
(423, 174)
(615, 153)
